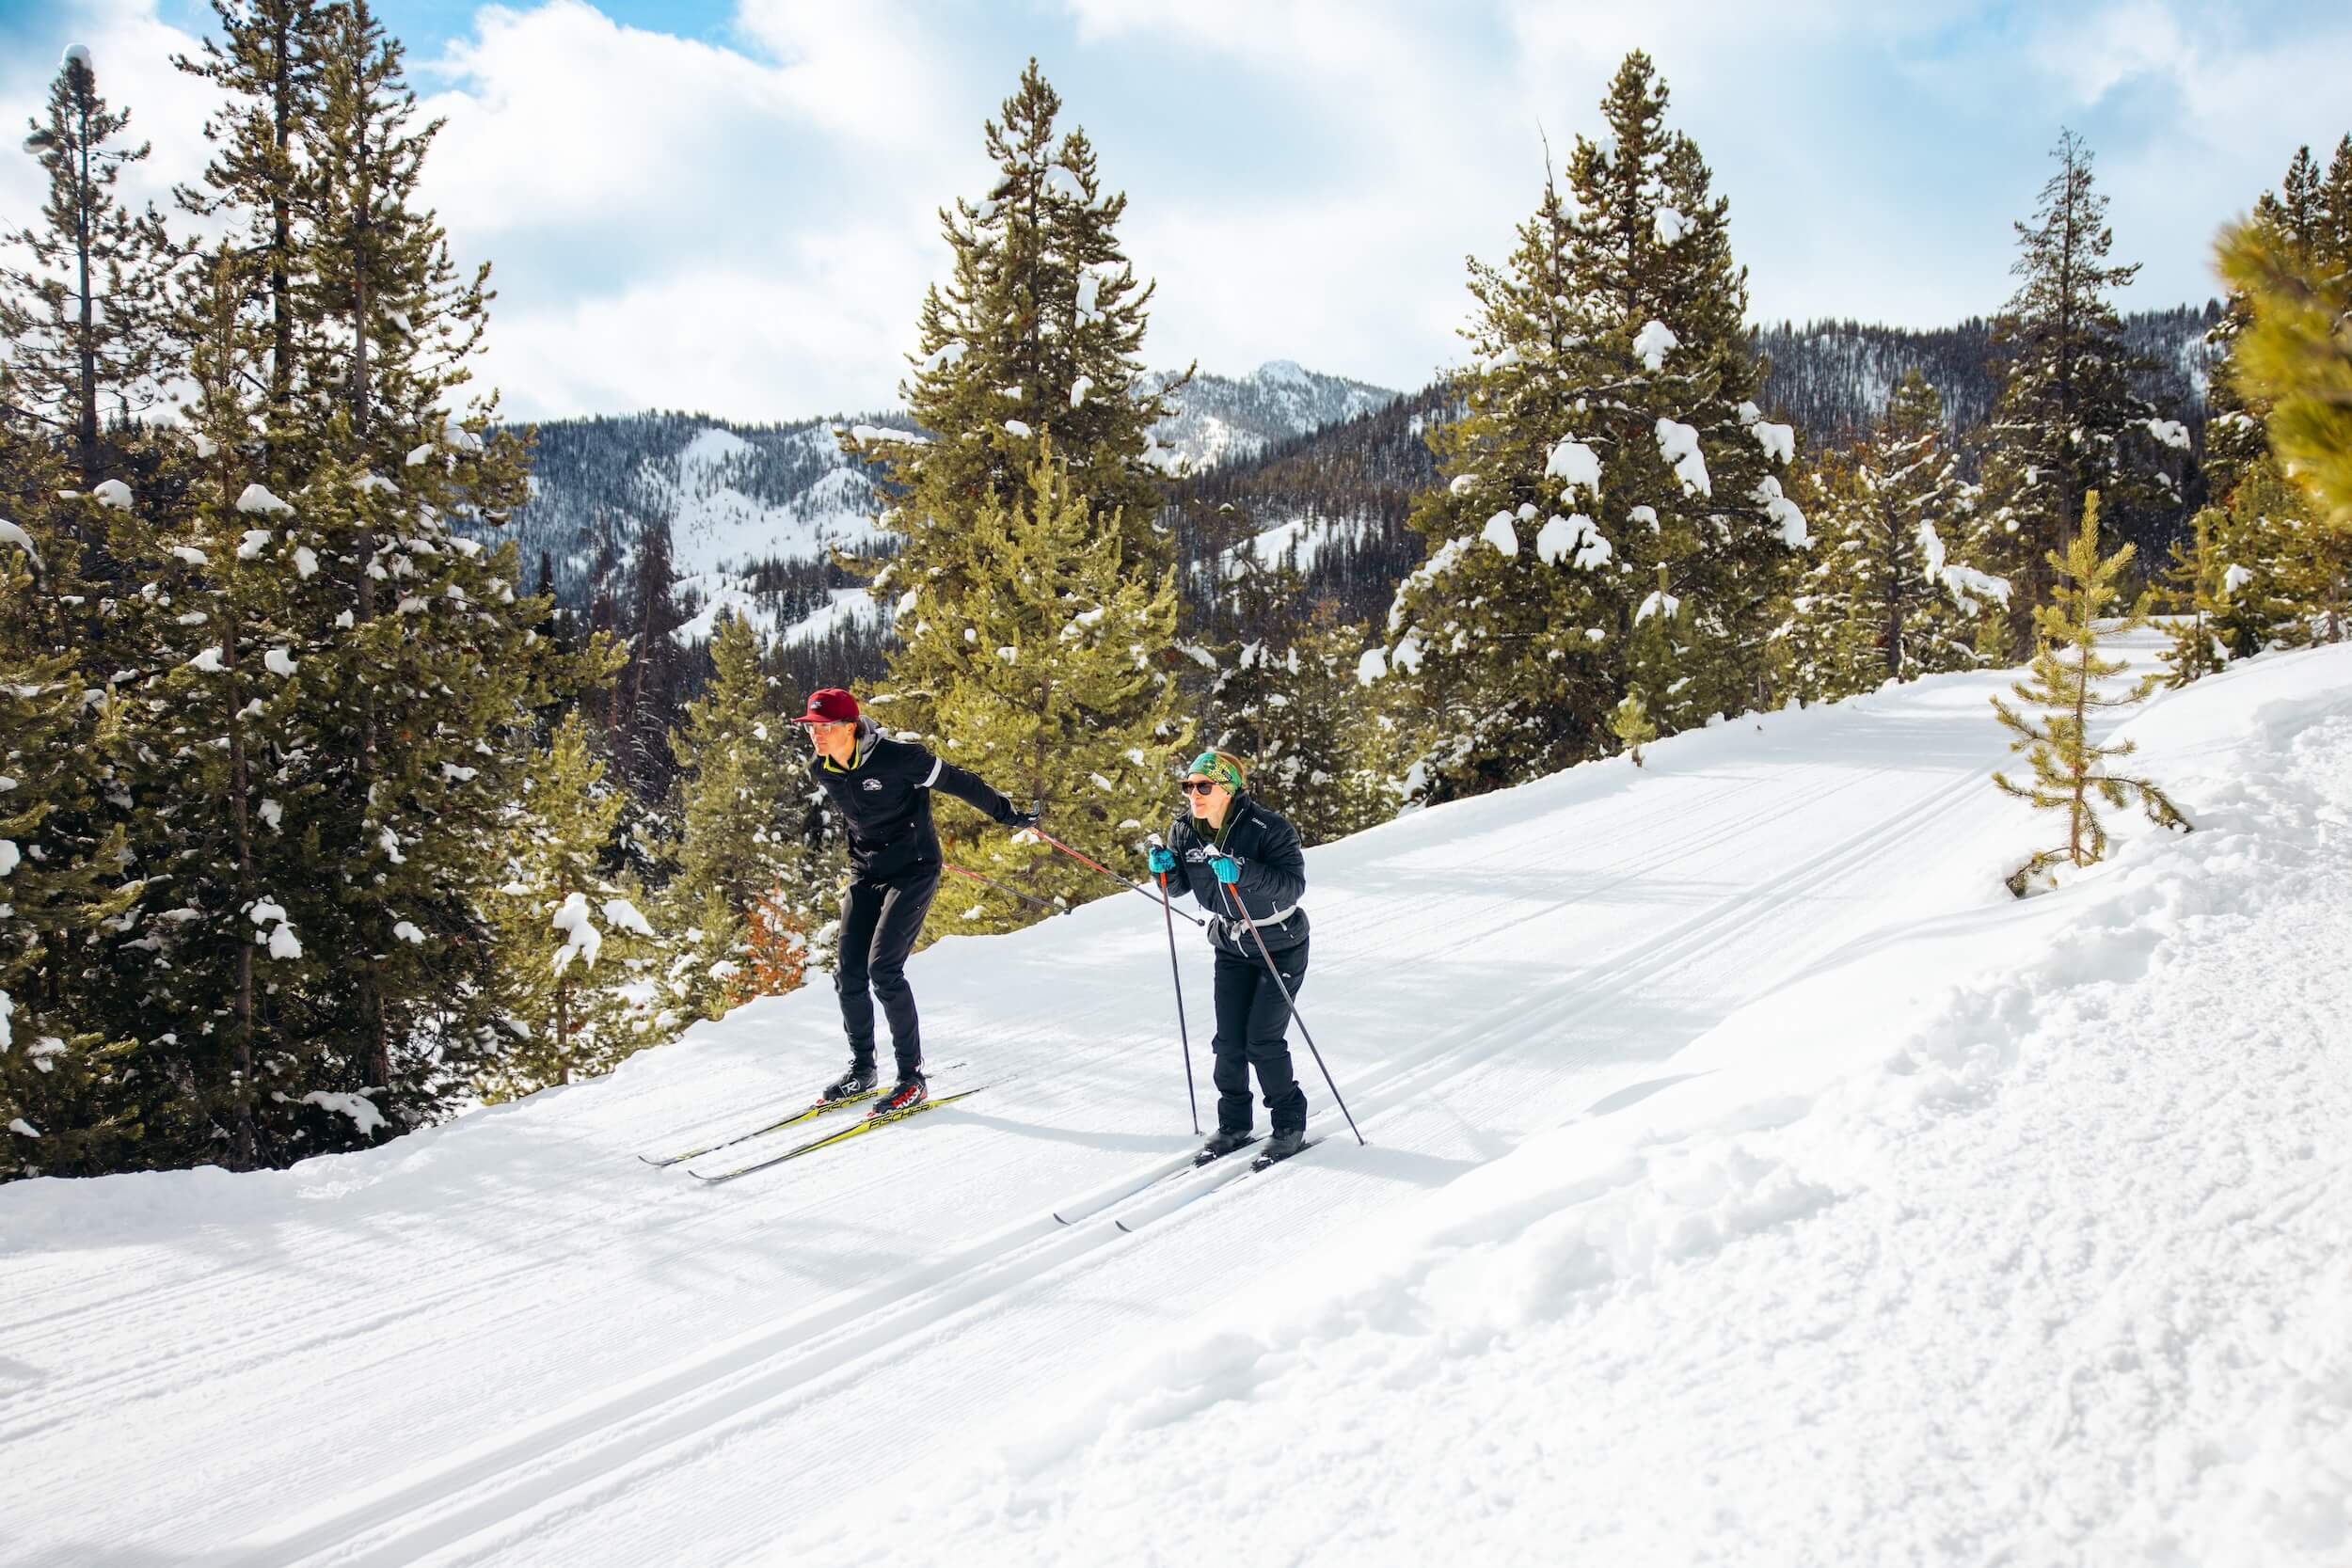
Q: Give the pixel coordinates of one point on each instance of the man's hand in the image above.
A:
(1022, 821)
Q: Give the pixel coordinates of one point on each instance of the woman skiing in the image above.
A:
(1233, 854)
(883, 789)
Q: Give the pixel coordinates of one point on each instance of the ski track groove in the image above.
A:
(777, 1368)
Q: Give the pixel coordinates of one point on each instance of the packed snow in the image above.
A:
(1749, 1180)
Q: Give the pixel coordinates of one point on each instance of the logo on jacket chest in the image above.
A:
(870, 783)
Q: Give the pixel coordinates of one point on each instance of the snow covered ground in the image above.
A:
(1750, 1180)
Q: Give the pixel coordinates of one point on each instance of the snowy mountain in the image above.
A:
(743, 504)
(1749, 1179)
(735, 502)
(1224, 420)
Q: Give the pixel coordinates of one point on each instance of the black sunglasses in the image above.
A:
(1198, 786)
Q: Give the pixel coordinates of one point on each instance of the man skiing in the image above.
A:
(1226, 850)
(883, 789)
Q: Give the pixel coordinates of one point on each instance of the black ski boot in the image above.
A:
(905, 1095)
(856, 1084)
(1222, 1145)
(1282, 1146)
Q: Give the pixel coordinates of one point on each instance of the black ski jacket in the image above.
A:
(1273, 874)
(884, 797)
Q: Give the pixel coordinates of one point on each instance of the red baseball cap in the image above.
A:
(831, 705)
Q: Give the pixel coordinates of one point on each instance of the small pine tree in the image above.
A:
(1630, 723)
(2069, 768)
(2199, 585)
(571, 940)
(738, 842)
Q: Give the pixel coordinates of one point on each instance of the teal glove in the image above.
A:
(1227, 868)
(1161, 862)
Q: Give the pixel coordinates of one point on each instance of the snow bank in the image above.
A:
(2020, 1234)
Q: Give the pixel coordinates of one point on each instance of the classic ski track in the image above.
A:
(267, 1340)
(782, 1365)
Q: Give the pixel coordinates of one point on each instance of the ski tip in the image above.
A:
(1057, 1215)
(1125, 1225)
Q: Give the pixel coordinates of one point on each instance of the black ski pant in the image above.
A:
(1251, 1020)
(879, 921)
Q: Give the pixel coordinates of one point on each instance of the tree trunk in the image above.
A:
(85, 425)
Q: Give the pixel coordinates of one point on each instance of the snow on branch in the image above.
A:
(1653, 343)
(256, 500)
(1784, 514)
(1575, 466)
(1678, 444)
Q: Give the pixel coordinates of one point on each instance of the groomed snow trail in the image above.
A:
(509, 1342)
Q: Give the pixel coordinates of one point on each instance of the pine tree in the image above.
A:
(87, 320)
(574, 947)
(1610, 430)
(1312, 763)
(59, 1111)
(1038, 333)
(2199, 585)
(1897, 604)
(1630, 723)
(2069, 768)
(743, 818)
(439, 670)
(2067, 420)
(1056, 694)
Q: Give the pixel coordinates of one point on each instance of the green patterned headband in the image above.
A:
(1217, 767)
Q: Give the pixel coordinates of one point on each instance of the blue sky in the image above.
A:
(728, 204)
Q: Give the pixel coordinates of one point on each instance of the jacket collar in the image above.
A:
(867, 732)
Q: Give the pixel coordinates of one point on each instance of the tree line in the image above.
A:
(321, 822)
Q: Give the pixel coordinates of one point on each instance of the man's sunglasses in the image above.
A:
(1198, 786)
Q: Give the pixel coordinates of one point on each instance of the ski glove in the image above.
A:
(1021, 820)
(1227, 868)
(1161, 862)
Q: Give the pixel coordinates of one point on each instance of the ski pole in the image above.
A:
(1106, 871)
(1184, 1033)
(1014, 892)
(1242, 911)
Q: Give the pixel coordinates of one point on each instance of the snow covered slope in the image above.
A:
(1750, 1181)
(1222, 418)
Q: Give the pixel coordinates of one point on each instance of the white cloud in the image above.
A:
(748, 227)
